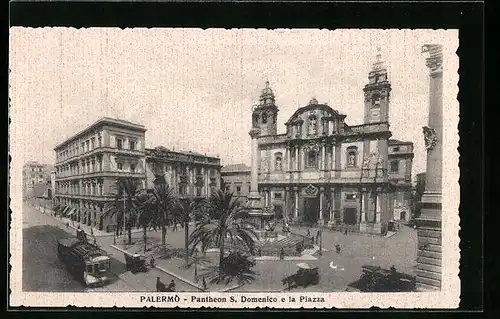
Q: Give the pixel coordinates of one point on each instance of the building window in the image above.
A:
(132, 168)
(313, 125)
(312, 158)
(119, 166)
(119, 143)
(238, 190)
(99, 141)
(352, 154)
(198, 191)
(92, 143)
(277, 195)
(132, 145)
(249, 188)
(350, 196)
(278, 160)
(376, 100)
(396, 149)
(264, 118)
(394, 166)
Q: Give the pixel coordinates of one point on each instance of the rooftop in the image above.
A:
(235, 168)
(398, 142)
(101, 122)
(163, 149)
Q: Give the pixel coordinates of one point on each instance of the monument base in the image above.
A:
(429, 249)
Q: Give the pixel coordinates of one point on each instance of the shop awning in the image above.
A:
(66, 209)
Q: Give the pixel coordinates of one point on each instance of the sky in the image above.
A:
(194, 89)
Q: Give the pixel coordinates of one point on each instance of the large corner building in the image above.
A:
(89, 163)
(324, 171)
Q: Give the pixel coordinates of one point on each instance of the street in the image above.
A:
(43, 272)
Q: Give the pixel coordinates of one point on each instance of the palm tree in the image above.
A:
(188, 209)
(164, 202)
(123, 203)
(144, 202)
(230, 226)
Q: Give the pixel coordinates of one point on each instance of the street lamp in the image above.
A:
(196, 264)
(320, 242)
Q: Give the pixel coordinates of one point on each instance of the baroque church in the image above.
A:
(323, 171)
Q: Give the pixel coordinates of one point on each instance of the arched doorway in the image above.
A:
(402, 215)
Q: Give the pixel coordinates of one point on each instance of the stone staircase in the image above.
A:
(288, 244)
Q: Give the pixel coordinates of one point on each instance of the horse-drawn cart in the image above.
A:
(135, 263)
(375, 278)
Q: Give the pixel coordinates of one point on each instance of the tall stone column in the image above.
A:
(321, 222)
(254, 204)
(429, 221)
(332, 207)
(296, 158)
(296, 208)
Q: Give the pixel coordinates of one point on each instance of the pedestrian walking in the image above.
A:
(67, 226)
(345, 231)
(91, 231)
(282, 254)
(308, 232)
(337, 248)
(171, 286)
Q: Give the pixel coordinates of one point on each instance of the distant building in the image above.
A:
(190, 174)
(400, 157)
(89, 163)
(236, 179)
(34, 173)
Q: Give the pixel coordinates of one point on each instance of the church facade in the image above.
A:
(324, 171)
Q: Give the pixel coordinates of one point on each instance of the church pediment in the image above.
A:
(331, 113)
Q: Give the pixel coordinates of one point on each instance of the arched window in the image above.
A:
(278, 161)
(312, 158)
(313, 125)
(376, 100)
(352, 156)
(255, 119)
(264, 118)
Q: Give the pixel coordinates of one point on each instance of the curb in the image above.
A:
(231, 288)
(166, 271)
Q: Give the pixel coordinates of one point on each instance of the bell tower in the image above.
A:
(265, 114)
(377, 93)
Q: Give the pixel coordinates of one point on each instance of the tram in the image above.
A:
(86, 262)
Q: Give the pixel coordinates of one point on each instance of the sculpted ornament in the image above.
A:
(366, 163)
(430, 138)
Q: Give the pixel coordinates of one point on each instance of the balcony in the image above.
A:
(99, 150)
(102, 174)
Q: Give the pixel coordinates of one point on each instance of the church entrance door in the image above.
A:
(350, 215)
(311, 210)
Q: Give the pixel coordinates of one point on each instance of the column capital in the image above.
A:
(295, 188)
(435, 58)
(321, 189)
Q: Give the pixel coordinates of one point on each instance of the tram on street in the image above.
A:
(86, 262)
